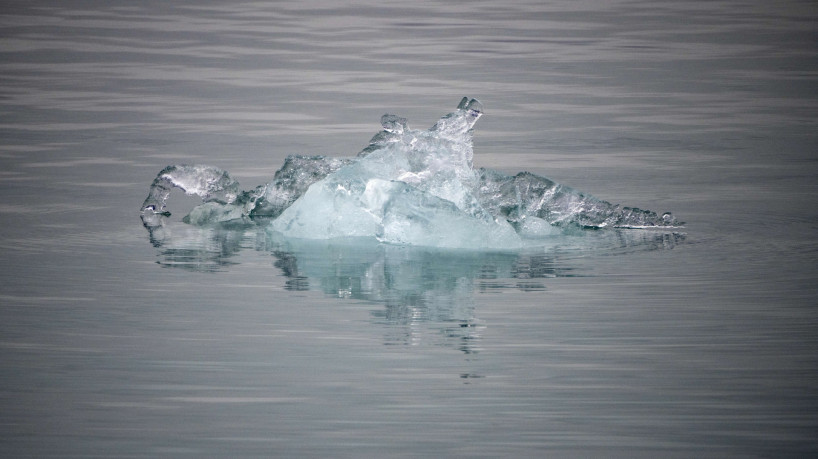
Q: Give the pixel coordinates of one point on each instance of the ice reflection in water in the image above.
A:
(421, 289)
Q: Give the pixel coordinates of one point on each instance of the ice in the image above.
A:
(407, 186)
(525, 196)
(290, 182)
(224, 201)
(210, 183)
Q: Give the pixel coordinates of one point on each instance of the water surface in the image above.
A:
(221, 341)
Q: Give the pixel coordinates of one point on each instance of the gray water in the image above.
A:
(217, 342)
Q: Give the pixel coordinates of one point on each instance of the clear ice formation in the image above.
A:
(407, 186)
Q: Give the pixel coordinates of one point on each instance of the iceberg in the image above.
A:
(408, 187)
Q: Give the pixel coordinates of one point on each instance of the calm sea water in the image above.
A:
(223, 342)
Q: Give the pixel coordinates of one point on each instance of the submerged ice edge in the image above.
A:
(416, 187)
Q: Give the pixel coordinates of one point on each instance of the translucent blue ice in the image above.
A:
(407, 186)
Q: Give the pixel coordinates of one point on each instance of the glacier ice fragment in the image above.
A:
(208, 182)
(407, 186)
